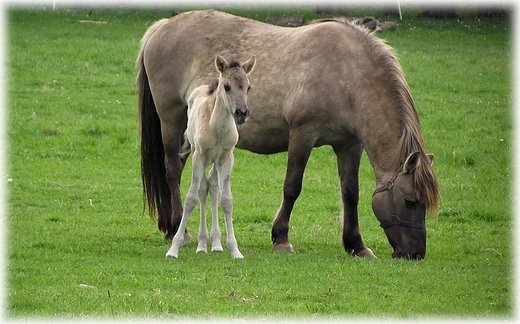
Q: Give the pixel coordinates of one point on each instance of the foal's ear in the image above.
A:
(412, 161)
(249, 64)
(220, 63)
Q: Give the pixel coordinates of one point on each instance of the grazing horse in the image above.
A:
(212, 135)
(327, 83)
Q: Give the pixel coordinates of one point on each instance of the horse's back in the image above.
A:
(319, 74)
(182, 50)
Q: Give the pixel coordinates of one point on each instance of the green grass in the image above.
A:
(80, 245)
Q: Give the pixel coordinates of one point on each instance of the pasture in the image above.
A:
(79, 244)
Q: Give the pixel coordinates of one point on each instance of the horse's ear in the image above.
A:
(249, 65)
(220, 63)
(412, 161)
(430, 158)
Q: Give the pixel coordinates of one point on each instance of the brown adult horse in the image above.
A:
(328, 83)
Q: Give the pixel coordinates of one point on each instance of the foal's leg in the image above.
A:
(300, 147)
(348, 167)
(203, 229)
(190, 202)
(214, 189)
(224, 168)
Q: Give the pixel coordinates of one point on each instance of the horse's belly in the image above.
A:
(262, 140)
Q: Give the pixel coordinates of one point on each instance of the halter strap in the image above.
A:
(395, 219)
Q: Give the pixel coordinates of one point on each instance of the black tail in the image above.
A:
(156, 191)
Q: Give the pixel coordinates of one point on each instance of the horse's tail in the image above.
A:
(156, 191)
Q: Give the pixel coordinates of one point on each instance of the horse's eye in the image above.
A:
(227, 87)
(248, 88)
(410, 204)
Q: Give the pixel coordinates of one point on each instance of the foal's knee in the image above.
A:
(226, 202)
(203, 189)
(191, 201)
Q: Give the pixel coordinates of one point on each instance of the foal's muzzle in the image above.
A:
(241, 116)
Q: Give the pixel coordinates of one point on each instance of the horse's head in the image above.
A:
(401, 210)
(235, 85)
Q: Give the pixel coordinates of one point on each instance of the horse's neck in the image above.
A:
(221, 119)
(382, 146)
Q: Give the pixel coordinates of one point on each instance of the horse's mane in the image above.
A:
(411, 139)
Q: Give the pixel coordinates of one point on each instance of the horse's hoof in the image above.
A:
(283, 247)
(365, 253)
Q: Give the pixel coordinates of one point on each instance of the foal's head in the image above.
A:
(234, 85)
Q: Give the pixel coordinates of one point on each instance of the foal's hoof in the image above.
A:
(216, 247)
(172, 255)
(283, 247)
(237, 255)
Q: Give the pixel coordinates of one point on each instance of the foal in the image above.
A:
(212, 134)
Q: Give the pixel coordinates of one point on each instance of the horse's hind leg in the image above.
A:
(203, 229)
(174, 164)
(215, 234)
(348, 167)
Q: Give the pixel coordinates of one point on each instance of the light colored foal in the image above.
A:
(213, 112)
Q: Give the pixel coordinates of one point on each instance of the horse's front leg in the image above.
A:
(300, 147)
(224, 168)
(348, 169)
(214, 189)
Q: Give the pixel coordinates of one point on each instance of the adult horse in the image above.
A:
(327, 83)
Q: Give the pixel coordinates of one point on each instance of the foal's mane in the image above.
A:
(212, 87)
(411, 139)
(214, 84)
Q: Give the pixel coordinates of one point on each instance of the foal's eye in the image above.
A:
(227, 87)
(248, 88)
(410, 204)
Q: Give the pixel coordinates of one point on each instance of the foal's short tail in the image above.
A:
(156, 191)
(185, 149)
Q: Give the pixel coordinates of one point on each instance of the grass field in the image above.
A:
(80, 245)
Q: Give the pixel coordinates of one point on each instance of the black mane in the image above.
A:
(233, 64)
